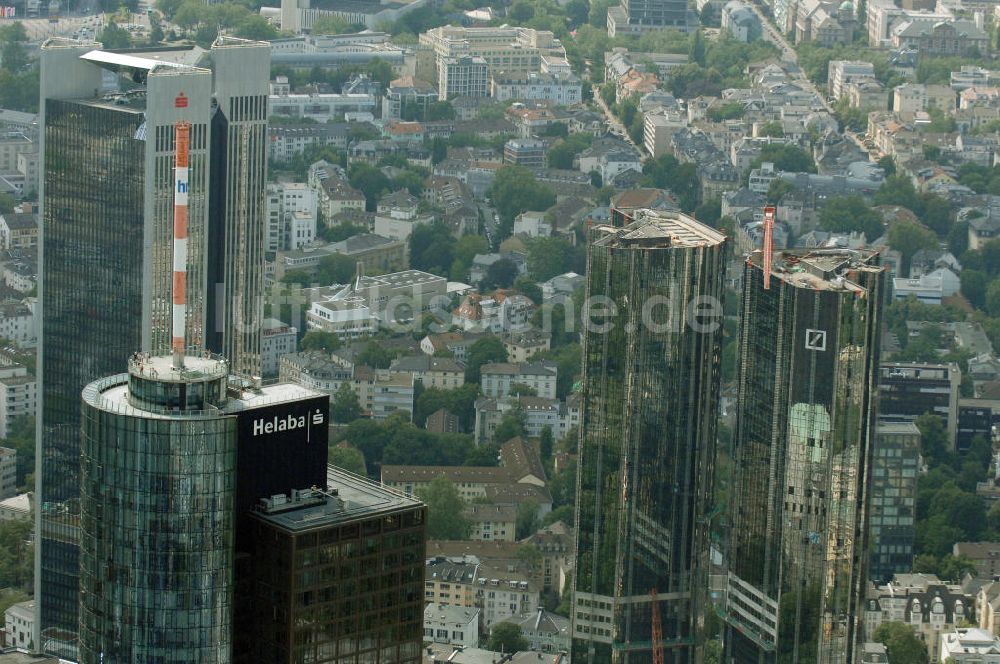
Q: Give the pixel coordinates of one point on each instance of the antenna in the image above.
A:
(768, 244)
(182, 135)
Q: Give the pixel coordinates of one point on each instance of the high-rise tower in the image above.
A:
(651, 374)
(106, 247)
(803, 442)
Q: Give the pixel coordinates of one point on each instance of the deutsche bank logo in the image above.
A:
(815, 339)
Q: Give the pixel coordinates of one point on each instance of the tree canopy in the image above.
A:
(445, 510)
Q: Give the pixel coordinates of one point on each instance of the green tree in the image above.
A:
(345, 407)
(974, 284)
(545, 443)
(376, 356)
(773, 129)
(21, 438)
(370, 181)
(514, 191)
(908, 238)
(348, 458)
(114, 36)
(445, 510)
(15, 554)
(901, 643)
(898, 190)
(483, 351)
(335, 269)
(993, 297)
(431, 248)
(527, 519)
(463, 252)
(256, 27)
(506, 637)
(845, 214)
(319, 340)
(888, 165)
(512, 425)
(331, 25)
(697, 51)
(777, 190)
(788, 158)
(547, 257)
(500, 274)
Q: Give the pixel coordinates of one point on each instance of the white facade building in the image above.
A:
(277, 339)
(561, 89)
(291, 216)
(970, 645)
(19, 624)
(8, 473)
(17, 395)
(499, 378)
(320, 107)
(454, 625)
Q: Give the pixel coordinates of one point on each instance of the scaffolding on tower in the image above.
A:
(768, 245)
(657, 629)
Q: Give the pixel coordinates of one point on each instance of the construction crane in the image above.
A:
(657, 629)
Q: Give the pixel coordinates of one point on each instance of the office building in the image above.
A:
(647, 441)
(165, 499)
(278, 339)
(464, 76)
(338, 574)
(907, 390)
(634, 17)
(106, 242)
(895, 466)
(17, 395)
(805, 427)
(8, 473)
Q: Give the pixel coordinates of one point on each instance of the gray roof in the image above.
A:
(425, 363)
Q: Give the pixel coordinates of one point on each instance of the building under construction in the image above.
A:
(805, 428)
(650, 391)
(106, 247)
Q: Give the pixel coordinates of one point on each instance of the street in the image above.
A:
(614, 125)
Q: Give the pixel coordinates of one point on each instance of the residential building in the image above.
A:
(18, 323)
(491, 522)
(498, 379)
(443, 373)
(377, 255)
(106, 244)
(397, 215)
(18, 231)
(907, 390)
(277, 339)
(500, 311)
(321, 107)
(8, 473)
(17, 395)
(741, 22)
(867, 95)
(519, 464)
(562, 89)
(16, 508)
(985, 556)
(527, 152)
(303, 542)
(287, 141)
(971, 76)
(443, 421)
(929, 606)
(539, 413)
(988, 607)
(895, 468)
(407, 98)
(501, 591)
(456, 625)
(522, 346)
(513, 50)
(843, 72)
(545, 631)
(291, 216)
(383, 395)
(465, 76)
(532, 223)
(19, 623)
(799, 533)
(948, 38)
(913, 97)
(457, 343)
(970, 645)
(555, 542)
(664, 447)
(299, 15)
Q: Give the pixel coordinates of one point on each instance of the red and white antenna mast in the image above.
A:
(768, 244)
(182, 134)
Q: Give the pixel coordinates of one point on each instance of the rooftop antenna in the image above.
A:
(768, 244)
(182, 134)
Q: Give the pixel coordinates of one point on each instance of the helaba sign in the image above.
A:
(289, 422)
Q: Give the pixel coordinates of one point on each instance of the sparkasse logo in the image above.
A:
(287, 423)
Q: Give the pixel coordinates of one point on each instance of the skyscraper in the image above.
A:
(895, 468)
(171, 455)
(106, 247)
(650, 390)
(802, 448)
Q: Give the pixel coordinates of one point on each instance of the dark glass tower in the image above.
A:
(158, 470)
(805, 427)
(106, 246)
(895, 469)
(647, 440)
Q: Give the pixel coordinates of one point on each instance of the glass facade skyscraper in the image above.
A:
(805, 427)
(650, 396)
(157, 495)
(895, 468)
(106, 246)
